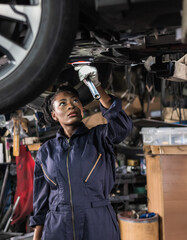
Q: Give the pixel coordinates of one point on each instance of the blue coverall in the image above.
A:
(73, 180)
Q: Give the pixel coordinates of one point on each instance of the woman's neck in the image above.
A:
(69, 130)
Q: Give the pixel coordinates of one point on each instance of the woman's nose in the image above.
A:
(70, 105)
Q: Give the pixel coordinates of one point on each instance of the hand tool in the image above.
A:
(89, 83)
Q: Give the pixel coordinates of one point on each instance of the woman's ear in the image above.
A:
(54, 116)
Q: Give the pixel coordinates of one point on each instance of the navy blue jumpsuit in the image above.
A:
(73, 179)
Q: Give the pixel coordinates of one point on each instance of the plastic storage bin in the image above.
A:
(164, 136)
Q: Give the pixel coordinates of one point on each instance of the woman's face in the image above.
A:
(67, 109)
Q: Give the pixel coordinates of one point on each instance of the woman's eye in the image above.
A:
(62, 104)
(75, 100)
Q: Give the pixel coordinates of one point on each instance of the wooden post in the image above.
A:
(16, 137)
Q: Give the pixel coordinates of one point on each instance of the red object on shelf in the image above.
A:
(24, 188)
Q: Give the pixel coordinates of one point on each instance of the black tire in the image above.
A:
(48, 54)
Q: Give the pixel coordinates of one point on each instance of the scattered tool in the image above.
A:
(12, 214)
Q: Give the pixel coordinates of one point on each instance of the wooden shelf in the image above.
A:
(129, 178)
(130, 198)
(2, 164)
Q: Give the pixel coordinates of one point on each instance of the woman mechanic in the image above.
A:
(75, 171)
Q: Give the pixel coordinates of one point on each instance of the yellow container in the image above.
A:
(138, 229)
(133, 162)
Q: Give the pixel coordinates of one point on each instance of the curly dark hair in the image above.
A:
(47, 106)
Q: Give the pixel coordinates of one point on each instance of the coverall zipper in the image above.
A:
(70, 192)
(86, 180)
(47, 175)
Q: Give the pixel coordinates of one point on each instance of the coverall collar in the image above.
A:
(80, 130)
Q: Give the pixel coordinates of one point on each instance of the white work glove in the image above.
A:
(88, 72)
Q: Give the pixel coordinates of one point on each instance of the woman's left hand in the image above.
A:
(88, 73)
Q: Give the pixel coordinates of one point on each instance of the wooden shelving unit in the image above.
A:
(167, 188)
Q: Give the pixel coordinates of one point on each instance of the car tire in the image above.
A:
(45, 59)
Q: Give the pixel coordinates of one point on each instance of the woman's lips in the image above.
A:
(72, 114)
